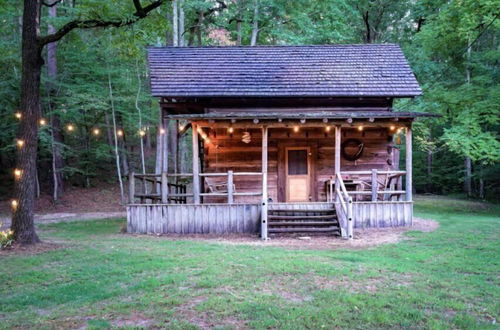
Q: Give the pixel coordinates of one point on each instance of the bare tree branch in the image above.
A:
(51, 4)
(140, 13)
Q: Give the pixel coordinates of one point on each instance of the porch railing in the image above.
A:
(344, 211)
(157, 188)
(383, 185)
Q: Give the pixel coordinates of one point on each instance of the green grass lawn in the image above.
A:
(447, 278)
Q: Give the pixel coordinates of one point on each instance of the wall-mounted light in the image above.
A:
(328, 128)
(230, 130)
(296, 129)
(392, 127)
(14, 204)
(360, 128)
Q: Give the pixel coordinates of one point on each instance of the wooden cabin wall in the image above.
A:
(227, 152)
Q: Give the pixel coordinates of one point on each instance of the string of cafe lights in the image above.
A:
(70, 128)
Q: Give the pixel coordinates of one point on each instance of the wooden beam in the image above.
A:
(337, 148)
(276, 123)
(164, 188)
(374, 185)
(131, 188)
(230, 190)
(409, 164)
(263, 217)
(196, 165)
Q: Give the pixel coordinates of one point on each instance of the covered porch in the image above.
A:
(247, 168)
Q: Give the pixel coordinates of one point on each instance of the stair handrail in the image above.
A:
(345, 201)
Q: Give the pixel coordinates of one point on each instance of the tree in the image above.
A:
(32, 62)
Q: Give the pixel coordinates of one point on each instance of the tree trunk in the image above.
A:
(57, 137)
(468, 176)
(175, 23)
(429, 166)
(115, 139)
(239, 20)
(24, 189)
(255, 27)
(182, 37)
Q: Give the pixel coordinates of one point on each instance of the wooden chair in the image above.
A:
(386, 182)
(215, 186)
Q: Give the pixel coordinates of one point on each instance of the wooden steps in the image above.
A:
(287, 221)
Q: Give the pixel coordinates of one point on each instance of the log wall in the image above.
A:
(227, 152)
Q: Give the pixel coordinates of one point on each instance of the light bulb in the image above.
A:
(296, 129)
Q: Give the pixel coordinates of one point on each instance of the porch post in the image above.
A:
(196, 165)
(263, 216)
(337, 148)
(409, 164)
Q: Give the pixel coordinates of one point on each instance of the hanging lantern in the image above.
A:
(246, 138)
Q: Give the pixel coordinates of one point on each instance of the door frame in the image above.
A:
(282, 164)
(309, 179)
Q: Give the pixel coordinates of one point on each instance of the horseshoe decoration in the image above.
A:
(352, 149)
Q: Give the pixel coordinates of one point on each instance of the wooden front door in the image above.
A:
(298, 174)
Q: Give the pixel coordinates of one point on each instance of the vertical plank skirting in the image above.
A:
(245, 218)
(193, 218)
(382, 214)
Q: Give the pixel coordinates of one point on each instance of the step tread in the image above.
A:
(299, 223)
(300, 217)
(303, 210)
(303, 230)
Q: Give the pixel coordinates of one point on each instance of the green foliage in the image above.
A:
(6, 237)
(458, 84)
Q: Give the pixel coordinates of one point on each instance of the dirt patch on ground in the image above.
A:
(363, 238)
(18, 249)
(187, 312)
(134, 320)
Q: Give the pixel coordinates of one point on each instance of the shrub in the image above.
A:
(6, 238)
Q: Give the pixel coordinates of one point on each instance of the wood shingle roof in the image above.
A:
(369, 70)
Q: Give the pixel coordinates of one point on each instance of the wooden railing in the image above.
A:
(155, 187)
(391, 185)
(230, 192)
(344, 211)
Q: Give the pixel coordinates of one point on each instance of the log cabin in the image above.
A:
(284, 139)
